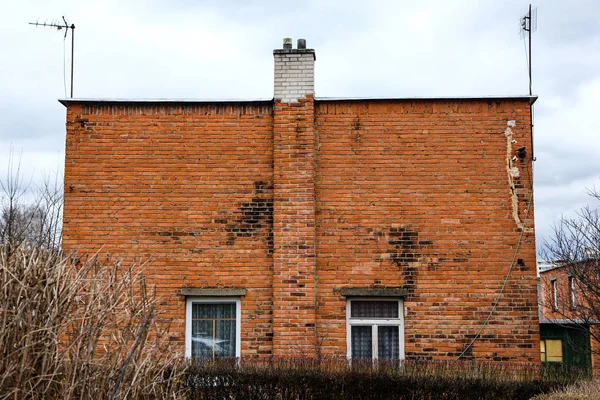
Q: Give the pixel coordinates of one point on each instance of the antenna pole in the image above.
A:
(529, 32)
(73, 57)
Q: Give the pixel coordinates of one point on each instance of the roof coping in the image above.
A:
(158, 100)
(64, 102)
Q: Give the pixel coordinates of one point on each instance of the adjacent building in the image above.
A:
(566, 316)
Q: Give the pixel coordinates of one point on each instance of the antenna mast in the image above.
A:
(66, 27)
(529, 25)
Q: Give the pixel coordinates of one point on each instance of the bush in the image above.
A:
(74, 329)
(80, 330)
(335, 379)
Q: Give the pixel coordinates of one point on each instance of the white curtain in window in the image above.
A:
(213, 330)
(388, 342)
(362, 343)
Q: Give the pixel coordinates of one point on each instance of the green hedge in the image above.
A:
(308, 379)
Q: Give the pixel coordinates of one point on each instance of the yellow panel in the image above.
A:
(554, 350)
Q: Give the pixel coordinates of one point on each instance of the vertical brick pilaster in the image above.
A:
(294, 262)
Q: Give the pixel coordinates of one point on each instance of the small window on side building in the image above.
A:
(554, 294)
(572, 292)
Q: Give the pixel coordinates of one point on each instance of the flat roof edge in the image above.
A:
(64, 102)
(531, 99)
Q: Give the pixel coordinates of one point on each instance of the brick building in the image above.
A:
(380, 228)
(566, 317)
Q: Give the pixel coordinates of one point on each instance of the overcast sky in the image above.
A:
(397, 48)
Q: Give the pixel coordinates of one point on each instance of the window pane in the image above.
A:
(202, 339)
(554, 350)
(388, 338)
(207, 310)
(543, 350)
(374, 309)
(213, 330)
(362, 342)
(224, 339)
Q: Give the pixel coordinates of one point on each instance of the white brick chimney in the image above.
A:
(294, 71)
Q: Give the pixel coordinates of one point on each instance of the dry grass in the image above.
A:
(585, 390)
(79, 330)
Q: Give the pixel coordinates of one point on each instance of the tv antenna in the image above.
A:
(528, 26)
(59, 26)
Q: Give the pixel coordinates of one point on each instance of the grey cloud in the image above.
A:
(222, 49)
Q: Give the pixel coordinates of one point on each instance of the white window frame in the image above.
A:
(554, 294)
(572, 290)
(212, 300)
(374, 323)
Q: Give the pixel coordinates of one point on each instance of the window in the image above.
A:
(375, 329)
(212, 327)
(572, 292)
(551, 350)
(554, 294)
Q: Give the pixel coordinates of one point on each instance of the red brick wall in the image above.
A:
(411, 193)
(416, 193)
(294, 229)
(186, 186)
(561, 275)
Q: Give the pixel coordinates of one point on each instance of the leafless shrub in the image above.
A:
(575, 247)
(30, 214)
(76, 329)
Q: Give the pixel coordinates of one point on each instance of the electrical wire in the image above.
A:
(512, 264)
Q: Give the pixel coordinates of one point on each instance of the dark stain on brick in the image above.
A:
(461, 257)
(407, 250)
(406, 246)
(256, 214)
(357, 137)
(467, 353)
